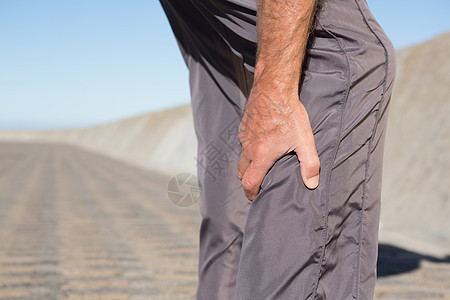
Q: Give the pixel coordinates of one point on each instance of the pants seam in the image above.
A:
(330, 162)
(367, 165)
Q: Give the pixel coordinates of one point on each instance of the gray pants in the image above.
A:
(291, 242)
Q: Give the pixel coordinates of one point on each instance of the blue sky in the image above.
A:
(80, 63)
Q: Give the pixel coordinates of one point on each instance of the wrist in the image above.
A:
(277, 75)
(275, 84)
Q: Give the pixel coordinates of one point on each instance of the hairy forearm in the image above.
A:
(275, 122)
(283, 29)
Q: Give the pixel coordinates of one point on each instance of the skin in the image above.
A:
(275, 122)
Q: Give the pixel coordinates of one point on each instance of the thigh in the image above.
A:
(308, 244)
(219, 82)
(285, 231)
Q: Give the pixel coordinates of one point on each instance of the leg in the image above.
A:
(322, 244)
(219, 82)
(223, 206)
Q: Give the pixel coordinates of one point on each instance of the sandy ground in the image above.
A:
(79, 225)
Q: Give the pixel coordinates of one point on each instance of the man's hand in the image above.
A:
(275, 122)
(268, 132)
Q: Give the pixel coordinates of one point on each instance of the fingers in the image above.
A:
(309, 165)
(254, 176)
(252, 173)
(310, 173)
(242, 166)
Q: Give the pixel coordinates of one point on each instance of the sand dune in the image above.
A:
(416, 188)
(164, 140)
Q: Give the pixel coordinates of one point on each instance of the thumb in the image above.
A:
(309, 166)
